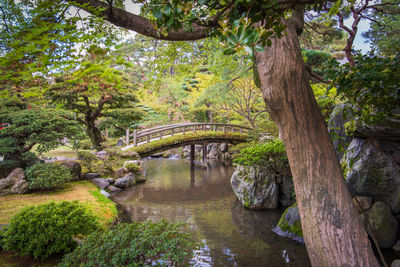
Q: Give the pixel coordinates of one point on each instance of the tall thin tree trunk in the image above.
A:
(333, 232)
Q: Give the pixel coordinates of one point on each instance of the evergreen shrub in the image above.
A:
(271, 154)
(43, 176)
(87, 159)
(134, 244)
(43, 230)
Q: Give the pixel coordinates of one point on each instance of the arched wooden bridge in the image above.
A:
(161, 138)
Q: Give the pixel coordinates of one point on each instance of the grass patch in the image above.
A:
(158, 145)
(83, 191)
(62, 151)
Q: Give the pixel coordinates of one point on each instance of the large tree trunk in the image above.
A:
(95, 135)
(333, 232)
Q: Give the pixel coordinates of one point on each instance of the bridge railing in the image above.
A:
(159, 132)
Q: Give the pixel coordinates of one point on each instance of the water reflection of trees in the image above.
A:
(205, 201)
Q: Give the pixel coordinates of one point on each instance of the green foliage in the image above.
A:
(238, 21)
(371, 86)
(132, 167)
(38, 39)
(97, 89)
(43, 230)
(47, 175)
(154, 146)
(326, 98)
(316, 59)
(86, 158)
(135, 244)
(85, 144)
(235, 149)
(29, 127)
(384, 31)
(271, 154)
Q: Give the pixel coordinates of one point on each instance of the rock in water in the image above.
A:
(114, 189)
(289, 224)
(255, 188)
(382, 224)
(105, 193)
(395, 263)
(14, 183)
(125, 181)
(101, 182)
(372, 173)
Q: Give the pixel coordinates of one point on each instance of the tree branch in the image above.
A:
(4, 19)
(139, 24)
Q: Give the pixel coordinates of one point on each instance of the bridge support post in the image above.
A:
(205, 144)
(135, 137)
(192, 151)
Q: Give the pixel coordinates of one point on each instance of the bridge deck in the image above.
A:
(156, 133)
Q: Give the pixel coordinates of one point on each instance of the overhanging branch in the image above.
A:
(139, 24)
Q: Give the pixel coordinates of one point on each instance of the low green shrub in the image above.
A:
(271, 154)
(87, 159)
(132, 167)
(235, 149)
(47, 175)
(85, 144)
(43, 230)
(134, 244)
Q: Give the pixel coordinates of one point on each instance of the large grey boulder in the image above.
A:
(101, 182)
(370, 172)
(289, 224)
(255, 188)
(14, 183)
(74, 167)
(125, 181)
(120, 172)
(382, 224)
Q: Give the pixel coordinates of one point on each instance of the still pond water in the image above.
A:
(203, 198)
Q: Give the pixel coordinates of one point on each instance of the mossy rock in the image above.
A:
(289, 224)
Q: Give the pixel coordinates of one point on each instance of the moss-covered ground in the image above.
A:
(83, 191)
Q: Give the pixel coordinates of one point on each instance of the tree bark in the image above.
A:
(94, 135)
(333, 232)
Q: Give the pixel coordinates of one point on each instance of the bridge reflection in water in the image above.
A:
(204, 200)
